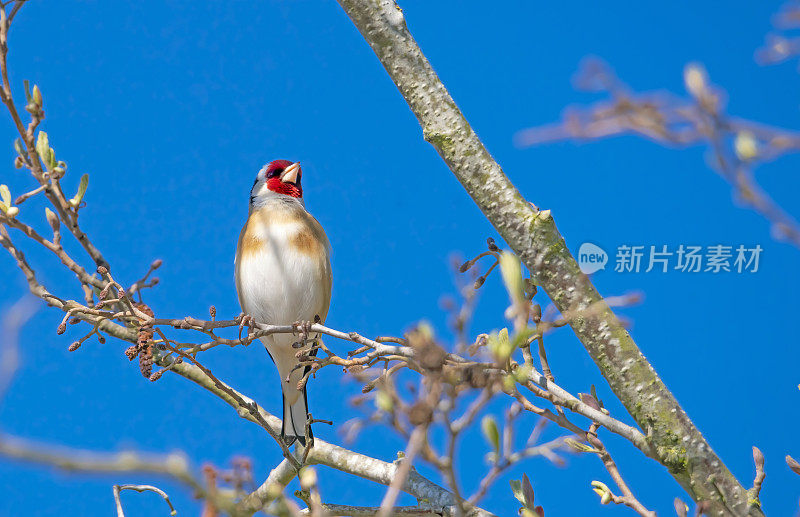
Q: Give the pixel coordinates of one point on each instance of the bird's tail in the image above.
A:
(295, 417)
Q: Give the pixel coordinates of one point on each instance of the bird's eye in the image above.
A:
(274, 173)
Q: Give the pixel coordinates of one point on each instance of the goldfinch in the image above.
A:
(283, 276)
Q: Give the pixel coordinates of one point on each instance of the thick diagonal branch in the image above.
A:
(532, 234)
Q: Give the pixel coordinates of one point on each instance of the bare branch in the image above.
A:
(140, 488)
(532, 234)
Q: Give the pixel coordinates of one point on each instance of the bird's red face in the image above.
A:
(283, 177)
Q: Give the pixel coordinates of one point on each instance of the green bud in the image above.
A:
(383, 401)
(602, 490)
(45, 152)
(511, 270)
(52, 219)
(37, 96)
(695, 79)
(5, 196)
(500, 345)
(19, 148)
(579, 447)
(516, 488)
(75, 201)
(490, 432)
(5, 203)
(745, 146)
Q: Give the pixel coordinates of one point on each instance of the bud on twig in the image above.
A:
(384, 401)
(52, 219)
(490, 432)
(695, 79)
(42, 145)
(793, 464)
(603, 491)
(76, 201)
(36, 96)
(45, 152)
(5, 200)
(511, 271)
(580, 447)
(745, 146)
(5, 203)
(758, 458)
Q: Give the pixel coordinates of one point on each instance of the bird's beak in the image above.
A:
(291, 172)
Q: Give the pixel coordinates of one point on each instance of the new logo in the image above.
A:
(591, 258)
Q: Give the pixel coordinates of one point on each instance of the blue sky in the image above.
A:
(173, 109)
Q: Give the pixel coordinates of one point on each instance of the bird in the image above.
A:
(283, 277)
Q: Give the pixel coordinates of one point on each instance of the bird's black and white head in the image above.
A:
(277, 180)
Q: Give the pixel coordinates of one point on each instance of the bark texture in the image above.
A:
(532, 234)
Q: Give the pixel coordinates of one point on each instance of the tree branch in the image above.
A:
(532, 234)
(323, 453)
(139, 488)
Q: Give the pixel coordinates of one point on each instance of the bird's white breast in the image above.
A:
(278, 282)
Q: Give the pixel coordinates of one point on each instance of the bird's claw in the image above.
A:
(303, 329)
(246, 321)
